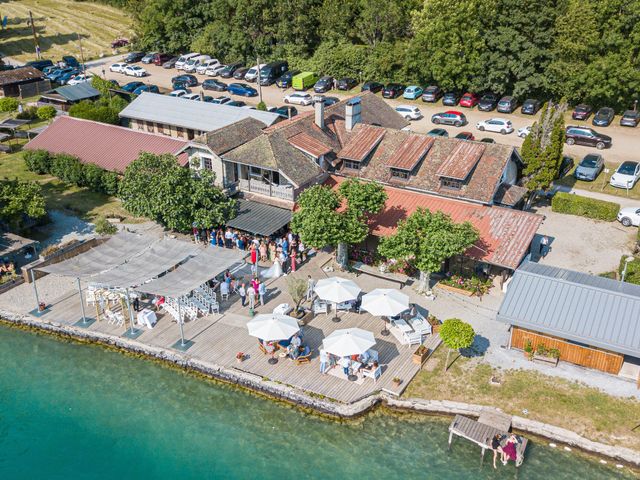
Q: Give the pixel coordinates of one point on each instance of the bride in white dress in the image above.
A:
(275, 271)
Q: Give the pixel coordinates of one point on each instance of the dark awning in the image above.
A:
(259, 219)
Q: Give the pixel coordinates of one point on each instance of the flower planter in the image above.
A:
(420, 355)
(459, 291)
(544, 359)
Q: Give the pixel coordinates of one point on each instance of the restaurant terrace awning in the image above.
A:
(259, 219)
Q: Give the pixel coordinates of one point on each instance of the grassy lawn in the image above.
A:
(582, 409)
(600, 184)
(62, 196)
(58, 23)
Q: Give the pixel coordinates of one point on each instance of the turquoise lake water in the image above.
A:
(77, 411)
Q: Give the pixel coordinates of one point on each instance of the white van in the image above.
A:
(184, 59)
(191, 65)
(211, 63)
(252, 74)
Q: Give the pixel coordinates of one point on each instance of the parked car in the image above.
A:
(450, 117)
(582, 112)
(469, 100)
(148, 58)
(116, 67)
(240, 73)
(215, 85)
(285, 80)
(160, 59)
(507, 104)
(347, 83)
(371, 86)
(70, 61)
(630, 118)
(189, 80)
(114, 83)
(496, 124)
(179, 93)
(603, 117)
(487, 140)
(146, 88)
(183, 59)
(438, 132)
(324, 84)
(299, 98)
(587, 136)
(330, 100)
(626, 175)
(252, 73)
(214, 70)
(222, 100)
(304, 80)
(131, 86)
(192, 64)
(465, 136)
(207, 99)
(56, 74)
(412, 92)
(242, 89)
(133, 57)
(273, 71)
(134, 71)
(488, 102)
(180, 85)
(48, 70)
(191, 96)
(63, 79)
(450, 99)
(205, 65)
(39, 64)
(236, 103)
(286, 111)
(530, 106)
(409, 112)
(589, 167)
(629, 216)
(171, 63)
(431, 94)
(81, 78)
(524, 131)
(229, 70)
(566, 165)
(393, 90)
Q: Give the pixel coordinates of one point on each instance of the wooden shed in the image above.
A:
(12, 80)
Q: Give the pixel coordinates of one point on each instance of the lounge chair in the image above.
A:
(303, 359)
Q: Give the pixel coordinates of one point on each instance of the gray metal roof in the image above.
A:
(258, 218)
(596, 311)
(204, 116)
(75, 93)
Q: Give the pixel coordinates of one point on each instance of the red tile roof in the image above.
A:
(362, 143)
(410, 152)
(505, 234)
(462, 160)
(108, 146)
(305, 142)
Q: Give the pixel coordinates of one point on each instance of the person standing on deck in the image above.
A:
(311, 284)
(251, 294)
(243, 294)
(262, 291)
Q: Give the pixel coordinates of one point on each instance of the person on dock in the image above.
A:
(311, 285)
(243, 294)
(510, 451)
(262, 291)
(251, 295)
(497, 448)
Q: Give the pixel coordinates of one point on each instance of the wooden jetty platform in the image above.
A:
(481, 431)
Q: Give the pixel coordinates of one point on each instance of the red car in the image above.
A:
(469, 100)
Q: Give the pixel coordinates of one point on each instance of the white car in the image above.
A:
(252, 73)
(202, 68)
(134, 71)
(629, 216)
(215, 70)
(499, 125)
(299, 99)
(82, 78)
(626, 175)
(117, 67)
(191, 96)
(524, 131)
(409, 112)
(179, 93)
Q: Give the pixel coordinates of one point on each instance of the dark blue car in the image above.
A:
(131, 86)
(189, 80)
(242, 89)
(146, 88)
(58, 72)
(63, 79)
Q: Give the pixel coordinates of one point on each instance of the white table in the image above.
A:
(282, 309)
(146, 318)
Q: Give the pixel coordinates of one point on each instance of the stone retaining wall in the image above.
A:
(318, 403)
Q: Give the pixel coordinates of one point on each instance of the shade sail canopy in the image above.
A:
(272, 327)
(258, 218)
(194, 272)
(385, 302)
(159, 258)
(117, 250)
(349, 341)
(337, 289)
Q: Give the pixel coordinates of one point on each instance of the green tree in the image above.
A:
(110, 182)
(8, 104)
(320, 221)
(46, 112)
(67, 168)
(92, 177)
(38, 161)
(456, 334)
(104, 227)
(542, 149)
(20, 199)
(427, 239)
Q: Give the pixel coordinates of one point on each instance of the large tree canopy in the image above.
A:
(20, 199)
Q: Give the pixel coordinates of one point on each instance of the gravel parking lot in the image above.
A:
(625, 140)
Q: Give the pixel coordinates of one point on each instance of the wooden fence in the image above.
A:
(585, 356)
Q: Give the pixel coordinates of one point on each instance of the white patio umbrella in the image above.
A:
(336, 290)
(385, 302)
(272, 327)
(348, 341)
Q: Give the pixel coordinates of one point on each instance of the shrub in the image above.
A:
(110, 182)
(262, 106)
(67, 168)
(584, 206)
(92, 176)
(29, 113)
(46, 113)
(38, 161)
(94, 111)
(8, 104)
(104, 227)
(633, 270)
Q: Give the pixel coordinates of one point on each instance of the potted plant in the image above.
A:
(298, 290)
(420, 355)
(435, 323)
(397, 381)
(528, 350)
(546, 355)
(240, 357)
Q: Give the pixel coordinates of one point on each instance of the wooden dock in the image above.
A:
(490, 423)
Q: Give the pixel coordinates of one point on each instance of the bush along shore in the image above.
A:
(315, 404)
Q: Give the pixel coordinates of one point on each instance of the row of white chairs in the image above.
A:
(115, 318)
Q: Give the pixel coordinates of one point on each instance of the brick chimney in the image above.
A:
(353, 109)
(318, 105)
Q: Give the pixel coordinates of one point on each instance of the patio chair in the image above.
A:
(224, 291)
(303, 358)
(320, 306)
(372, 373)
(214, 306)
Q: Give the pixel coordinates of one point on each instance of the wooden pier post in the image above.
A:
(450, 439)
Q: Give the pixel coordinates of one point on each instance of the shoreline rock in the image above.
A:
(308, 401)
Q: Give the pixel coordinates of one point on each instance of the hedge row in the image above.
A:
(584, 206)
(69, 169)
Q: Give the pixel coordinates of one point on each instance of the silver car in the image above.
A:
(590, 167)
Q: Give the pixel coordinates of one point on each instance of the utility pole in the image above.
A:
(259, 86)
(35, 37)
(81, 53)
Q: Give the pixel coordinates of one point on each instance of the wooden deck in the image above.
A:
(218, 338)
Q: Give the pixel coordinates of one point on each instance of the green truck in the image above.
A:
(304, 80)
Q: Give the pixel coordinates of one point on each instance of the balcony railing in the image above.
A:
(285, 192)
